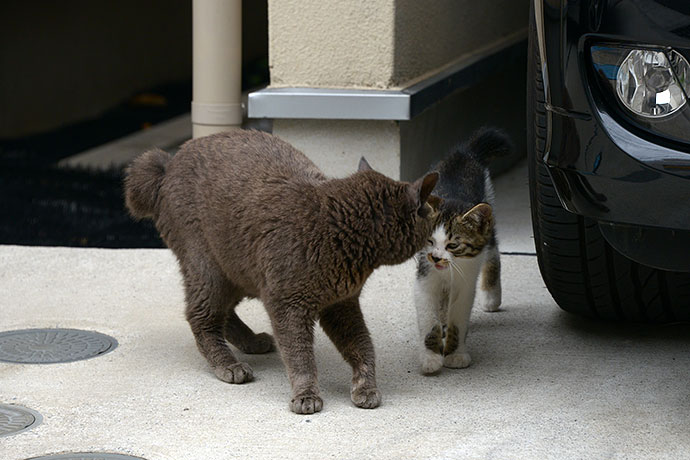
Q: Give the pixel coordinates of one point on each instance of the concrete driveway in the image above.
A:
(543, 384)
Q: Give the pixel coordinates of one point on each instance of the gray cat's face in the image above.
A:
(463, 236)
(402, 213)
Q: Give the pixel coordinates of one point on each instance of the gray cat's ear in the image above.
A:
(421, 189)
(434, 202)
(364, 165)
(427, 185)
(480, 218)
(431, 207)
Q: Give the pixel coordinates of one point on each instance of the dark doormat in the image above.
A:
(43, 205)
(50, 206)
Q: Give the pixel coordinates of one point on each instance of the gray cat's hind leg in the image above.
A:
(240, 335)
(344, 324)
(207, 291)
(490, 283)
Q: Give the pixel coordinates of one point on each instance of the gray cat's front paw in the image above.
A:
(457, 360)
(366, 398)
(261, 343)
(306, 404)
(235, 373)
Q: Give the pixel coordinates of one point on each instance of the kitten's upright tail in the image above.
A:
(489, 143)
(143, 180)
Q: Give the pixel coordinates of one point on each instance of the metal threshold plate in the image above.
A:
(48, 346)
(15, 419)
(87, 456)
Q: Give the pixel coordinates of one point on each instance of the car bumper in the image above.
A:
(636, 186)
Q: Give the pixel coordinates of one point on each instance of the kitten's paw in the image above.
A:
(366, 398)
(261, 343)
(235, 373)
(457, 360)
(431, 362)
(490, 300)
(306, 404)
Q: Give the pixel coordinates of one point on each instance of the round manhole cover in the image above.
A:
(15, 419)
(46, 346)
(86, 456)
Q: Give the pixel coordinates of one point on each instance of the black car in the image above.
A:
(609, 155)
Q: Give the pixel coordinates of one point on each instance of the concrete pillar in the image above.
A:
(388, 45)
(337, 145)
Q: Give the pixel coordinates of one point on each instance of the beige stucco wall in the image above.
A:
(331, 43)
(432, 34)
(383, 43)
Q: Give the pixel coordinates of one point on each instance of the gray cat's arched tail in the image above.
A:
(143, 180)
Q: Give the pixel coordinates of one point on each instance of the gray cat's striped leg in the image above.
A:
(428, 302)
(344, 324)
(490, 283)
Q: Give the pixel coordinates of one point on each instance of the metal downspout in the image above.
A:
(217, 66)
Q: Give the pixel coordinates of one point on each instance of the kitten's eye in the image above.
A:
(452, 246)
(431, 243)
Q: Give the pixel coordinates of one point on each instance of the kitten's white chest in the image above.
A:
(439, 290)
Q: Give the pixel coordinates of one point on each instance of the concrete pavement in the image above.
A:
(543, 384)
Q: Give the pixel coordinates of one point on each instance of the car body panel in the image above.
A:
(602, 164)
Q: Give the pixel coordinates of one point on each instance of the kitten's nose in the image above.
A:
(435, 259)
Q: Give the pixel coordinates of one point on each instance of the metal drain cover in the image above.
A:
(15, 419)
(86, 456)
(46, 346)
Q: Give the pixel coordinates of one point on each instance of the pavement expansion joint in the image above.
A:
(86, 456)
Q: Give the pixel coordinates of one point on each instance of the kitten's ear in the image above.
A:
(421, 189)
(480, 218)
(364, 165)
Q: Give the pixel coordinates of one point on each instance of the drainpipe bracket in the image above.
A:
(216, 114)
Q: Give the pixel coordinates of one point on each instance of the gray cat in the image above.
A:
(462, 248)
(248, 215)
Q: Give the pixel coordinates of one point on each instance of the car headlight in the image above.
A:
(652, 85)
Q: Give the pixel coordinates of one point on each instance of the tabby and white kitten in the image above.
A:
(462, 246)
